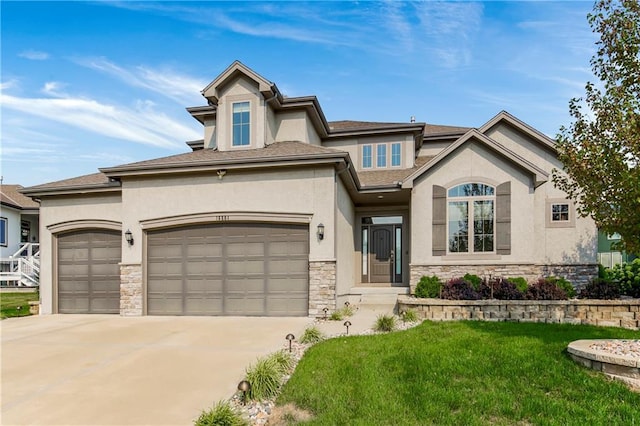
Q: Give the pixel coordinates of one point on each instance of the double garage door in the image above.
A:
(229, 269)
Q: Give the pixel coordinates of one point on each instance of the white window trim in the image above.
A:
(548, 213)
(362, 166)
(470, 215)
(388, 155)
(229, 101)
(4, 222)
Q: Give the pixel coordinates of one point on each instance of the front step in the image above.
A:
(377, 298)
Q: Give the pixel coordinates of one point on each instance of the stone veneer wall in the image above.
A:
(131, 290)
(579, 275)
(322, 287)
(616, 313)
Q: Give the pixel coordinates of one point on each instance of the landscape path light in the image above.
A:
(325, 310)
(245, 387)
(347, 324)
(290, 338)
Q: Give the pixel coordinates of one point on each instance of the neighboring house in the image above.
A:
(278, 212)
(608, 254)
(19, 223)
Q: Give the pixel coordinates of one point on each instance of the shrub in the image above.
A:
(336, 315)
(265, 377)
(473, 279)
(284, 360)
(348, 310)
(221, 414)
(564, 285)
(429, 287)
(600, 289)
(459, 289)
(385, 323)
(520, 283)
(410, 315)
(500, 289)
(311, 335)
(603, 272)
(627, 275)
(545, 289)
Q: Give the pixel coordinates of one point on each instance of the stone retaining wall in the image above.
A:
(322, 287)
(623, 313)
(579, 275)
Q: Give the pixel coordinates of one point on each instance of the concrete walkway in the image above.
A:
(112, 370)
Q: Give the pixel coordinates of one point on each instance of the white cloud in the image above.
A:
(52, 88)
(179, 87)
(142, 124)
(34, 55)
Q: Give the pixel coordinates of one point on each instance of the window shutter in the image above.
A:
(439, 221)
(503, 218)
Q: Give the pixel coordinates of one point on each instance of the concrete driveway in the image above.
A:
(112, 370)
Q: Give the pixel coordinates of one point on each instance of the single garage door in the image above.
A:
(88, 272)
(229, 269)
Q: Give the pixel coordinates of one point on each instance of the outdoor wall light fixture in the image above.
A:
(290, 338)
(325, 310)
(244, 387)
(321, 232)
(129, 237)
(347, 324)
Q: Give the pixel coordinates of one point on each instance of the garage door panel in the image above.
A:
(204, 286)
(89, 272)
(243, 248)
(204, 267)
(286, 305)
(231, 265)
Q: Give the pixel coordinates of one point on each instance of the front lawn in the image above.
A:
(460, 373)
(9, 303)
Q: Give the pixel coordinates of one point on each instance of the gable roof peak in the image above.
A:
(513, 121)
(212, 92)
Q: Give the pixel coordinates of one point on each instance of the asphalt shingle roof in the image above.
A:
(10, 195)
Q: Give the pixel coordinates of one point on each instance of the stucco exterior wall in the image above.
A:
(61, 209)
(354, 147)
(474, 163)
(295, 126)
(432, 148)
(241, 89)
(344, 237)
(301, 191)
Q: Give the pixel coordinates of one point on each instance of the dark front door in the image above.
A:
(381, 254)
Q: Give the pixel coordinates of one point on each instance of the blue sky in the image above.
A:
(88, 85)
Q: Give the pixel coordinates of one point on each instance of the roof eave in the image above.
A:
(543, 139)
(114, 186)
(241, 163)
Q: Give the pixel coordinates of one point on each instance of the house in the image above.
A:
(608, 254)
(19, 223)
(277, 211)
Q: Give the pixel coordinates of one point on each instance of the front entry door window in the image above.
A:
(382, 249)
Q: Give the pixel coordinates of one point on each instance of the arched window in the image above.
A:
(471, 218)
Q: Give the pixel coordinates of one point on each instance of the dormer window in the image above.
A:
(241, 126)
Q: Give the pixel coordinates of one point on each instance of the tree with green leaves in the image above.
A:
(600, 150)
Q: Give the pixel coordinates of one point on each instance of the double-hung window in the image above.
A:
(367, 156)
(471, 218)
(396, 157)
(241, 123)
(381, 155)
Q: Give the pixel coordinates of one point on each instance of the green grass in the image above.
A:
(9, 303)
(470, 373)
